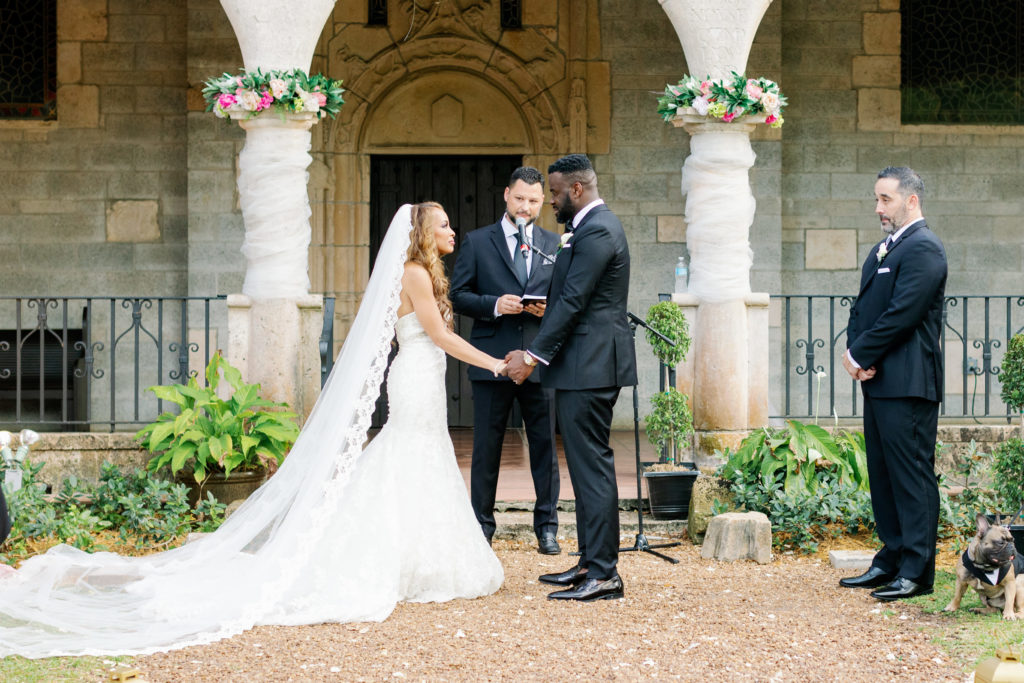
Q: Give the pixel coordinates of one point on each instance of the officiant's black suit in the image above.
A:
(896, 327)
(484, 272)
(586, 342)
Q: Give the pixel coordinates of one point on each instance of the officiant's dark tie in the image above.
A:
(519, 259)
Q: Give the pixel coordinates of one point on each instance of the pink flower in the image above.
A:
(705, 88)
(320, 98)
(225, 100)
(265, 100)
(770, 119)
(729, 116)
(754, 90)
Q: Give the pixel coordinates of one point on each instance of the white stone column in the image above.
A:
(274, 325)
(726, 373)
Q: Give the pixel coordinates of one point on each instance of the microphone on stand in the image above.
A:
(521, 225)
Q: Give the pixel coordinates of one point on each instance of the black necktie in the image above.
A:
(519, 258)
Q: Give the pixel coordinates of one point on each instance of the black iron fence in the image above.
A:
(80, 363)
(809, 336)
(73, 363)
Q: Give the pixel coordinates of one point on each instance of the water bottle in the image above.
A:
(682, 275)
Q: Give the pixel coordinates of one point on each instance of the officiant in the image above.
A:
(501, 281)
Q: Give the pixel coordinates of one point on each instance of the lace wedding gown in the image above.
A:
(340, 533)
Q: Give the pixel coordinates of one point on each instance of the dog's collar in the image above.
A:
(1016, 561)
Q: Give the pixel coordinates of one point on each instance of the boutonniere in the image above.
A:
(566, 236)
(882, 251)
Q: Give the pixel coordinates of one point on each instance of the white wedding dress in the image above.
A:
(340, 533)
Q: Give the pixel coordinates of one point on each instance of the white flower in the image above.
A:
(821, 374)
(309, 100)
(770, 102)
(566, 236)
(278, 87)
(882, 251)
(700, 105)
(249, 100)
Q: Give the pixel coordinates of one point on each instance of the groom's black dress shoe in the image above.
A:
(900, 588)
(872, 578)
(571, 577)
(547, 545)
(592, 589)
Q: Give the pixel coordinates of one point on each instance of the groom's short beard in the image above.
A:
(512, 219)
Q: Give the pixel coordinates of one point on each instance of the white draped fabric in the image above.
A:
(272, 182)
(719, 213)
(309, 546)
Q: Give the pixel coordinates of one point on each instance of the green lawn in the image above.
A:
(964, 635)
(64, 669)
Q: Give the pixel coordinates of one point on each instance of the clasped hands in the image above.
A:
(859, 374)
(515, 367)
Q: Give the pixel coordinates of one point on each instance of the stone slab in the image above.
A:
(850, 559)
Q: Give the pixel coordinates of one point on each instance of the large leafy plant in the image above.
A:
(668, 320)
(670, 422)
(212, 434)
(1011, 375)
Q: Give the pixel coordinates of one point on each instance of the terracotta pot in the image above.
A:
(238, 486)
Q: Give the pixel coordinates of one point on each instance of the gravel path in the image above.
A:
(698, 620)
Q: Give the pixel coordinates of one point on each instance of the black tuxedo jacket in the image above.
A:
(896, 323)
(483, 272)
(585, 336)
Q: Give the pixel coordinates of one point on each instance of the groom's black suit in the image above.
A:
(483, 272)
(895, 327)
(586, 343)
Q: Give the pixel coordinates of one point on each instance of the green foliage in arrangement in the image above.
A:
(957, 513)
(145, 513)
(1011, 374)
(670, 422)
(809, 483)
(668, 319)
(211, 434)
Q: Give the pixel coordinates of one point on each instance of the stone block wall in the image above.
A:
(95, 202)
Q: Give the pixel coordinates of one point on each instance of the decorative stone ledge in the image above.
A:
(81, 454)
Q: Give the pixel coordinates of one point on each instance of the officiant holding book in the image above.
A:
(501, 281)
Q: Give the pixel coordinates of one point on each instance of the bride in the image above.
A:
(340, 533)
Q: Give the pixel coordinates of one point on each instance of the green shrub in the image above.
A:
(1011, 374)
(1008, 473)
(670, 422)
(211, 434)
(668, 319)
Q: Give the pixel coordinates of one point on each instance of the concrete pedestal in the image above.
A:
(724, 373)
(275, 343)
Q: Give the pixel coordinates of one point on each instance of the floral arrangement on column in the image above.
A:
(724, 99)
(284, 92)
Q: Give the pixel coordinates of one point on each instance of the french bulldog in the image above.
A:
(993, 568)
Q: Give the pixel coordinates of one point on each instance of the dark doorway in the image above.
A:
(471, 190)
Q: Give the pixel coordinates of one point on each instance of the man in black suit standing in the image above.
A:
(893, 349)
(587, 350)
(495, 268)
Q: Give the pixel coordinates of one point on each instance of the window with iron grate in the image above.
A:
(961, 62)
(511, 13)
(377, 13)
(28, 60)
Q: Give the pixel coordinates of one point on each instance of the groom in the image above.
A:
(587, 350)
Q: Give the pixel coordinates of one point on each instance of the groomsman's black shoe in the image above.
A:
(574, 576)
(872, 578)
(592, 589)
(547, 545)
(898, 589)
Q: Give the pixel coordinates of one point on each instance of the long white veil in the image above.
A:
(254, 569)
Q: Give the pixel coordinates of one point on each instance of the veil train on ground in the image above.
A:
(255, 569)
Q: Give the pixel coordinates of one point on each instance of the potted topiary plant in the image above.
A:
(214, 444)
(1008, 457)
(670, 423)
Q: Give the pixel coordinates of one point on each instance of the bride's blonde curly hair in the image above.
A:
(423, 250)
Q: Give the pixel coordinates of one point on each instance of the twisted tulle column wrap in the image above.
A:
(719, 213)
(272, 183)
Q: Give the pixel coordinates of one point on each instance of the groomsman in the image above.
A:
(587, 352)
(893, 349)
(494, 270)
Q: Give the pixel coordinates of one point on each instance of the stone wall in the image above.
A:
(95, 202)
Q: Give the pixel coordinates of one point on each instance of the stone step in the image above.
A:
(517, 525)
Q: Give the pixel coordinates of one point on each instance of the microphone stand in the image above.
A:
(641, 544)
(546, 257)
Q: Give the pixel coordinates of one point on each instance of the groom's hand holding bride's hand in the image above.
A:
(517, 369)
